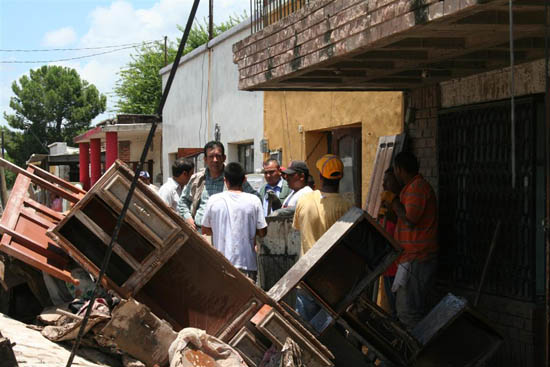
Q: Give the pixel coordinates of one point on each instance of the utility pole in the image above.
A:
(165, 51)
(3, 188)
(210, 19)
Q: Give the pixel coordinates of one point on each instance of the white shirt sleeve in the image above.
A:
(261, 223)
(164, 194)
(207, 214)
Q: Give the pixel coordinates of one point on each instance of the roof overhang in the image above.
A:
(388, 45)
(125, 131)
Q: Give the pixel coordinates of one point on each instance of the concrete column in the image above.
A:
(84, 160)
(111, 148)
(95, 160)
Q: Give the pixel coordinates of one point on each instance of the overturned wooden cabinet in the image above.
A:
(165, 264)
(335, 274)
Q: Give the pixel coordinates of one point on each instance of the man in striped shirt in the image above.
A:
(416, 231)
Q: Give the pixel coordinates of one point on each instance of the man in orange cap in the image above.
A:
(315, 213)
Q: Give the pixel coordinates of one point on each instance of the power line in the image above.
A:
(77, 49)
(66, 59)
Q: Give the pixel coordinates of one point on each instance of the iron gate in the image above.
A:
(476, 192)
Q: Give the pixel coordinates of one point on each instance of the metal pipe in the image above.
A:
(547, 165)
(487, 261)
(512, 93)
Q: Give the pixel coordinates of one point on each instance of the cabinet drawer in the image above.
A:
(147, 218)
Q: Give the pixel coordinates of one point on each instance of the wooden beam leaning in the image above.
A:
(41, 182)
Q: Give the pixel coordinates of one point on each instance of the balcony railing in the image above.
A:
(266, 12)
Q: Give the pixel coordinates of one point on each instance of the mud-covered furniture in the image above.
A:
(165, 264)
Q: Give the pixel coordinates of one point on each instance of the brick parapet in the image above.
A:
(329, 28)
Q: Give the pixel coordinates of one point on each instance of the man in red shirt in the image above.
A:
(416, 231)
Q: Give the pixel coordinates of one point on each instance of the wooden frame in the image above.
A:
(106, 199)
(25, 222)
(388, 147)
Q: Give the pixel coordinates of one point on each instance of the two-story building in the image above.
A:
(484, 151)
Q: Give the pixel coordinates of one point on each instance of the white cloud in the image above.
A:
(121, 23)
(59, 38)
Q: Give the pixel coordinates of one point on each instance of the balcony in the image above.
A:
(267, 12)
(387, 44)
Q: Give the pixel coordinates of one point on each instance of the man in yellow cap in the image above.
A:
(315, 213)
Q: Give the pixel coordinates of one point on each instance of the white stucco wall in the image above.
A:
(191, 112)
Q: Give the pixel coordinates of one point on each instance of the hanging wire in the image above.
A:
(128, 199)
(512, 94)
(65, 59)
(77, 49)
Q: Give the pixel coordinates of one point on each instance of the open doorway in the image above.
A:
(346, 143)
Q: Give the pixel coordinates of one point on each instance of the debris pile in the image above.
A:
(172, 299)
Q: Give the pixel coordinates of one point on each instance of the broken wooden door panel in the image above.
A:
(454, 333)
(342, 263)
(23, 226)
(388, 147)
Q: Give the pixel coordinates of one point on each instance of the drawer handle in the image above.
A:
(141, 209)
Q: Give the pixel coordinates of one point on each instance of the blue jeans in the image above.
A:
(310, 311)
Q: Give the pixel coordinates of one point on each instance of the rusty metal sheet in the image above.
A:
(23, 226)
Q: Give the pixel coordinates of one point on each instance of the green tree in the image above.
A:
(51, 104)
(139, 86)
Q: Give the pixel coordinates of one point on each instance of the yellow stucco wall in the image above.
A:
(286, 113)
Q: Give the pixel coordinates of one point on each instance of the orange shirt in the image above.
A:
(420, 240)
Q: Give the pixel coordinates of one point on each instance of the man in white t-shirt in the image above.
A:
(170, 192)
(234, 218)
(296, 174)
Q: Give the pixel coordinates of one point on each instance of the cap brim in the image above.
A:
(288, 171)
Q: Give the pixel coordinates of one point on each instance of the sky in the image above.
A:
(75, 24)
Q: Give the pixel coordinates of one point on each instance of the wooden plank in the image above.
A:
(277, 329)
(33, 246)
(58, 181)
(318, 251)
(54, 215)
(388, 147)
(40, 181)
(250, 347)
(99, 232)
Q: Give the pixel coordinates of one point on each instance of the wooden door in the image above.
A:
(346, 143)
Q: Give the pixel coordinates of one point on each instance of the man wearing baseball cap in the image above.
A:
(315, 213)
(296, 175)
